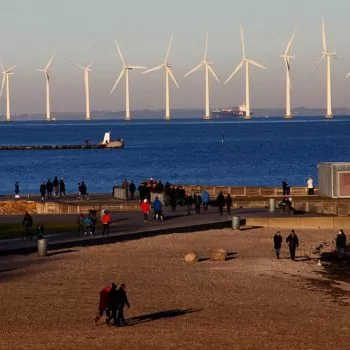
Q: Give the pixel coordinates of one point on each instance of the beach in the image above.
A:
(251, 301)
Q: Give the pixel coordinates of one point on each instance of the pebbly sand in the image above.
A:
(251, 301)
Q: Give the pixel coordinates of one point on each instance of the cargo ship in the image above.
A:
(239, 111)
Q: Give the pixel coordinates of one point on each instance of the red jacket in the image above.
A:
(145, 207)
(106, 218)
(104, 298)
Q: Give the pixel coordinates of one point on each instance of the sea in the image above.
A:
(235, 152)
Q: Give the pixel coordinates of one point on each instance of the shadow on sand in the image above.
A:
(159, 315)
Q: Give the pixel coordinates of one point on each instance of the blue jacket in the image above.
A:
(205, 197)
(157, 205)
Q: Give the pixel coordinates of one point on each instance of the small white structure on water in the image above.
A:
(107, 143)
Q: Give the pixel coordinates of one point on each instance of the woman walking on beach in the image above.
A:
(293, 243)
(277, 243)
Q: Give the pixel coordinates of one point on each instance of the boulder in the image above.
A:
(219, 255)
(191, 257)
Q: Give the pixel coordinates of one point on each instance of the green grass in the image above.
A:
(13, 230)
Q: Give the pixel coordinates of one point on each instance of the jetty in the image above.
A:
(106, 143)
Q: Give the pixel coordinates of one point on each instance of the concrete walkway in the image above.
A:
(130, 225)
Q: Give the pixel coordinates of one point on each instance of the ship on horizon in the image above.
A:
(239, 111)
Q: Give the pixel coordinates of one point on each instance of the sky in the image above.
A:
(84, 31)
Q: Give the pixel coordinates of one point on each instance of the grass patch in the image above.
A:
(14, 230)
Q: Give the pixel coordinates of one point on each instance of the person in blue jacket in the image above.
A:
(157, 207)
(205, 200)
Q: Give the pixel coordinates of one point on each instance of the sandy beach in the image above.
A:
(251, 301)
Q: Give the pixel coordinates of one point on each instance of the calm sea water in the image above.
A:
(260, 152)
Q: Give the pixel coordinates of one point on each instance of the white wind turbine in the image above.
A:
(168, 72)
(86, 70)
(328, 55)
(125, 70)
(245, 61)
(47, 78)
(5, 79)
(207, 65)
(286, 58)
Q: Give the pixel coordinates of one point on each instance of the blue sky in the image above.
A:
(85, 32)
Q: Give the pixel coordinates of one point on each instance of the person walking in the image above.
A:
(277, 244)
(132, 189)
(56, 187)
(228, 203)
(173, 198)
(27, 224)
(341, 244)
(122, 300)
(145, 207)
(310, 186)
(49, 189)
(106, 221)
(197, 202)
(62, 188)
(158, 212)
(220, 201)
(42, 190)
(188, 202)
(112, 305)
(205, 200)
(125, 186)
(293, 243)
(103, 307)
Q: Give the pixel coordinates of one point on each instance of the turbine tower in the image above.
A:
(207, 66)
(167, 68)
(245, 61)
(86, 70)
(328, 55)
(286, 58)
(125, 71)
(6, 79)
(47, 78)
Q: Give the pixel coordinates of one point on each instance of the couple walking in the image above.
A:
(292, 240)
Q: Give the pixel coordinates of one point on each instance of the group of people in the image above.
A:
(293, 244)
(27, 224)
(309, 185)
(87, 223)
(157, 206)
(111, 304)
(56, 188)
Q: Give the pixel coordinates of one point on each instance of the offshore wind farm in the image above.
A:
(205, 63)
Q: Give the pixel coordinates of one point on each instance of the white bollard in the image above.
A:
(42, 247)
(236, 223)
(272, 205)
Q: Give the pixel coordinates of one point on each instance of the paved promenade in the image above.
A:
(128, 226)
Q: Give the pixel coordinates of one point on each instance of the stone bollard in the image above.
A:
(272, 205)
(236, 223)
(42, 247)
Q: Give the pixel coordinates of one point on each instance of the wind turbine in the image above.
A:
(286, 58)
(245, 61)
(207, 66)
(86, 70)
(168, 72)
(125, 71)
(47, 78)
(7, 73)
(328, 55)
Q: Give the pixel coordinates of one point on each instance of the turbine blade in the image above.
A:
(318, 64)
(234, 72)
(242, 40)
(75, 64)
(2, 67)
(169, 48)
(206, 46)
(153, 69)
(194, 69)
(172, 76)
(136, 67)
(118, 80)
(2, 85)
(256, 64)
(120, 53)
(290, 43)
(11, 69)
(324, 43)
(89, 66)
(212, 72)
(50, 61)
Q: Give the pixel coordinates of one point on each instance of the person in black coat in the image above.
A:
(293, 243)
(132, 189)
(122, 300)
(112, 304)
(49, 188)
(197, 199)
(341, 243)
(62, 187)
(42, 190)
(221, 201)
(277, 243)
(188, 202)
(172, 197)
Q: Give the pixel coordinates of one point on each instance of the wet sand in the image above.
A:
(252, 301)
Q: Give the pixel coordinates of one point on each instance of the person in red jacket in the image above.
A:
(103, 307)
(145, 207)
(106, 220)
